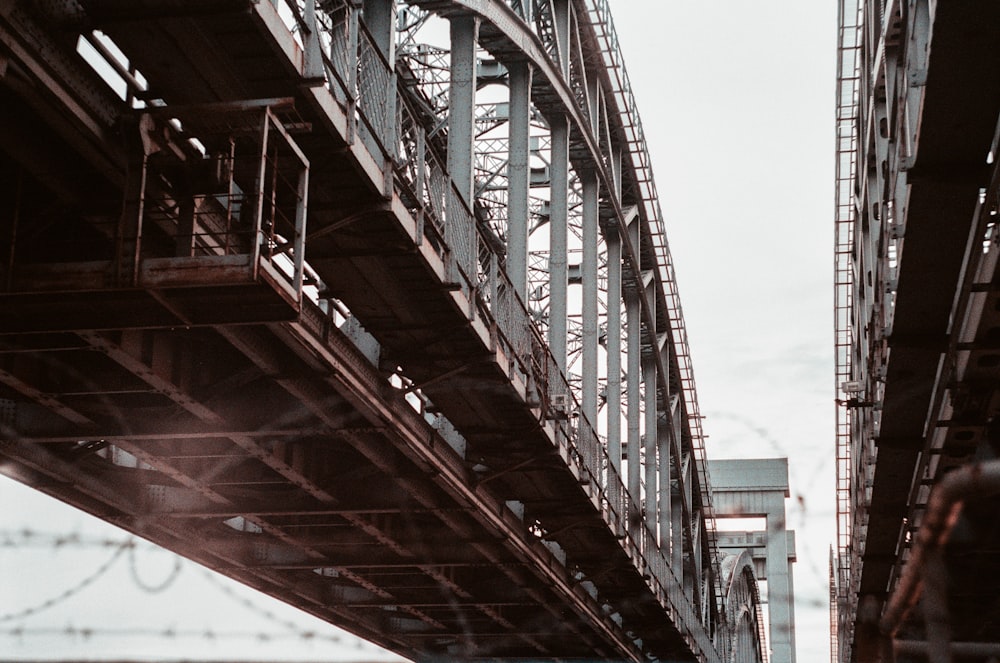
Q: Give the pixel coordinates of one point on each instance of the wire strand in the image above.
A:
(72, 591)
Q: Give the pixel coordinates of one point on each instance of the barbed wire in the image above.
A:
(70, 592)
(133, 567)
(249, 604)
(27, 537)
(173, 633)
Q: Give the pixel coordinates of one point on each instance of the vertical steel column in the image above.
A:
(380, 19)
(460, 229)
(591, 188)
(632, 375)
(558, 202)
(312, 50)
(558, 214)
(663, 498)
(616, 170)
(591, 193)
(779, 589)
(526, 10)
(560, 16)
(461, 103)
(650, 439)
(614, 348)
(678, 498)
(518, 175)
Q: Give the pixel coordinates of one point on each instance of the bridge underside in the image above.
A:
(926, 302)
(202, 403)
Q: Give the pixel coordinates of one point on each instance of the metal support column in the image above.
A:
(460, 231)
(518, 173)
(650, 439)
(678, 499)
(461, 103)
(632, 375)
(560, 13)
(614, 348)
(779, 587)
(558, 215)
(591, 188)
(663, 497)
(616, 171)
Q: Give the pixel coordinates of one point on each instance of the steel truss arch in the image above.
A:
(744, 623)
(508, 37)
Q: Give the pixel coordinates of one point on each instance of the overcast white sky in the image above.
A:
(736, 99)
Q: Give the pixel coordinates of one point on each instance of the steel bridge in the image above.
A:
(368, 307)
(917, 331)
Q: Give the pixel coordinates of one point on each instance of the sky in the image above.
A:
(736, 100)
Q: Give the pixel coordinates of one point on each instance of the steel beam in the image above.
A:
(558, 216)
(591, 189)
(663, 497)
(650, 440)
(614, 349)
(518, 175)
(462, 103)
(632, 378)
(560, 16)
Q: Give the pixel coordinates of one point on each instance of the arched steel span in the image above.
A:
(196, 55)
(507, 35)
(510, 39)
(744, 620)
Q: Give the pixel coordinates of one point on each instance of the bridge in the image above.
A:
(368, 307)
(917, 185)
